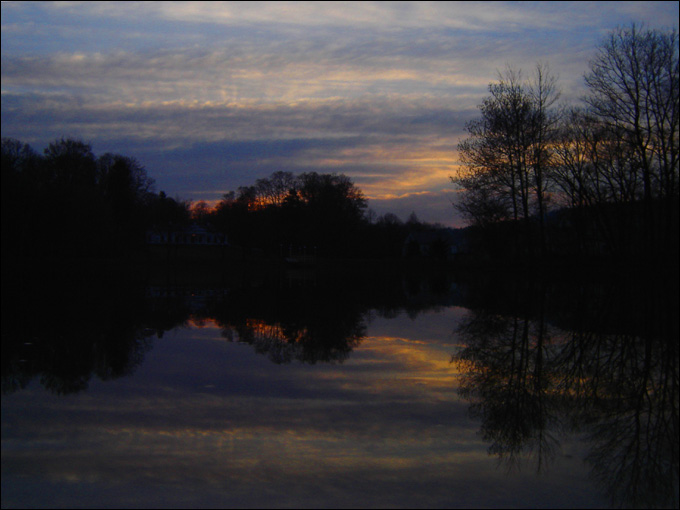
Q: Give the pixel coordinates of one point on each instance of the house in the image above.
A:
(191, 235)
(442, 244)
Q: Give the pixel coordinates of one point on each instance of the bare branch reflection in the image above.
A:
(610, 373)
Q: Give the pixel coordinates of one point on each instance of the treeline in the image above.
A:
(68, 202)
(597, 180)
(310, 213)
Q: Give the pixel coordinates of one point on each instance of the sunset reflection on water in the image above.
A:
(226, 404)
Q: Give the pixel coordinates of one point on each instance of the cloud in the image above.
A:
(289, 71)
(469, 16)
(330, 132)
(379, 91)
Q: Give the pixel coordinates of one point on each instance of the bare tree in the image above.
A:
(506, 157)
(543, 93)
(633, 87)
(276, 188)
(494, 155)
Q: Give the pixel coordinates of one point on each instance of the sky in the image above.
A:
(210, 96)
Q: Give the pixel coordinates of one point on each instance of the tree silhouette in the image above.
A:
(613, 161)
(70, 203)
(609, 374)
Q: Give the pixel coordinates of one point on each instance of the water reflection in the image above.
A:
(607, 371)
(65, 326)
(539, 363)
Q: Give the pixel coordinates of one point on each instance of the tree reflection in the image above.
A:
(612, 377)
(283, 343)
(298, 317)
(64, 325)
(308, 321)
(505, 378)
(67, 324)
(628, 406)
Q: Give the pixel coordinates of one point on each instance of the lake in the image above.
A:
(325, 387)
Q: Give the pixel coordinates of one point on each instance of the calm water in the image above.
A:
(256, 388)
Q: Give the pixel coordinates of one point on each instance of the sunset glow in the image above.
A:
(210, 96)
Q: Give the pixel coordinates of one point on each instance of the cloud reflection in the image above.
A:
(353, 428)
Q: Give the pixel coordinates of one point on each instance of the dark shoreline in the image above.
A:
(236, 259)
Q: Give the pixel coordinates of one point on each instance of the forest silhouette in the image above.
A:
(591, 181)
(539, 182)
(69, 202)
